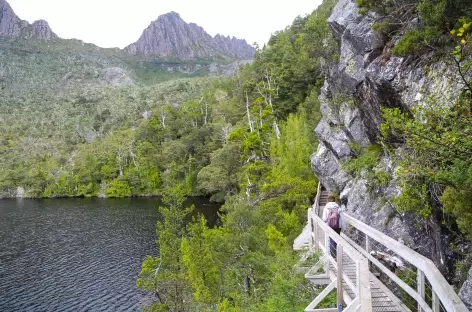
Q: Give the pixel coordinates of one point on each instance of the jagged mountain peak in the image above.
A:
(42, 30)
(11, 26)
(172, 17)
(170, 36)
(172, 14)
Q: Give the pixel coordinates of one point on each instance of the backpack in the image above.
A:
(333, 219)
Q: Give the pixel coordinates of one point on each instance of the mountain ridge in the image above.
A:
(169, 36)
(11, 26)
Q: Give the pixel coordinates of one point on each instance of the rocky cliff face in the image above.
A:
(237, 48)
(171, 36)
(466, 291)
(11, 26)
(367, 78)
(41, 30)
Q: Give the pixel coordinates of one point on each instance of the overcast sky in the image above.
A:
(117, 23)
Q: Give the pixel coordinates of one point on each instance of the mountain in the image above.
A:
(167, 37)
(170, 36)
(11, 26)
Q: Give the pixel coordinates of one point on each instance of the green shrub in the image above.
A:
(409, 277)
(367, 160)
(118, 188)
(434, 19)
(63, 187)
(414, 198)
(382, 27)
(411, 41)
(381, 178)
(366, 165)
(367, 5)
(458, 203)
(462, 268)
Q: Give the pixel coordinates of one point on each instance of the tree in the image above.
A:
(436, 159)
(202, 268)
(164, 275)
(220, 178)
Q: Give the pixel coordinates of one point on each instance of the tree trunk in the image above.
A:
(251, 124)
(163, 119)
(277, 130)
(248, 189)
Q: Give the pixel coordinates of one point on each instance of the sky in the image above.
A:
(118, 23)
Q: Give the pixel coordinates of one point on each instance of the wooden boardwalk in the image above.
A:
(357, 278)
(383, 300)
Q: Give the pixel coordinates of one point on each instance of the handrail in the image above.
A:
(363, 301)
(315, 207)
(350, 251)
(413, 293)
(317, 199)
(353, 253)
(448, 297)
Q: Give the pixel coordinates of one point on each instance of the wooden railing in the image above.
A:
(443, 295)
(320, 238)
(429, 281)
(315, 210)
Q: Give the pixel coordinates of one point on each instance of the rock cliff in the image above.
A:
(11, 26)
(170, 36)
(41, 30)
(466, 291)
(366, 78)
(116, 76)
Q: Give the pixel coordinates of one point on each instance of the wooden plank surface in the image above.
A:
(444, 291)
(381, 302)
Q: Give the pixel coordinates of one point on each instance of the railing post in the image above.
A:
(310, 228)
(367, 247)
(435, 306)
(317, 202)
(315, 234)
(339, 259)
(327, 252)
(363, 282)
(421, 287)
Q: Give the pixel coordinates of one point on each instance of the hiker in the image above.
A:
(333, 217)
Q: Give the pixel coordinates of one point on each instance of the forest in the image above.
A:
(246, 262)
(244, 141)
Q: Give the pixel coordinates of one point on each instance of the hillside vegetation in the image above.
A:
(245, 141)
(78, 120)
(259, 166)
(59, 96)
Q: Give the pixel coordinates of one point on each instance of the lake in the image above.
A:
(77, 254)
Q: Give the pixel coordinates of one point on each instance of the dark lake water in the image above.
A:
(77, 254)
